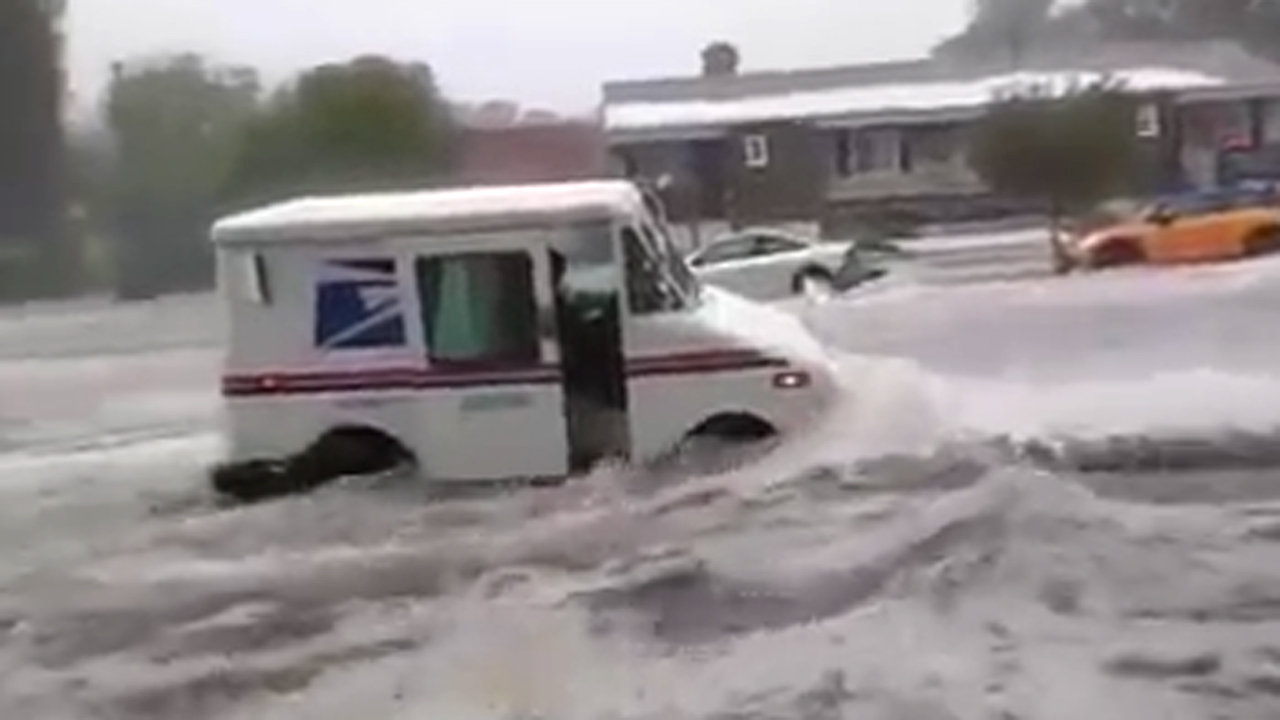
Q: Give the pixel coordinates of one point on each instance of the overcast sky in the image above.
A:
(548, 53)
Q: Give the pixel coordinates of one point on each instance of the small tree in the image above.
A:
(1067, 151)
(34, 257)
(1010, 25)
(174, 125)
(365, 124)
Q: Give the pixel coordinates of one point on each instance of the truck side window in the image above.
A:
(479, 309)
(644, 281)
(257, 283)
(357, 305)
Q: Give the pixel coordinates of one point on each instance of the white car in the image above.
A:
(766, 263)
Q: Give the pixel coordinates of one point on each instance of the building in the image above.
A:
(853, 144)
(543, 151)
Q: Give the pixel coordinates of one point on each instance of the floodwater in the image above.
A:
(895, 565)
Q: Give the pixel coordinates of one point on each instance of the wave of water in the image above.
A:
(895, 564)
(933, 551)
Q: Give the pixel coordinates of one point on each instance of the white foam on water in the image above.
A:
(1009, 596)
(1012, 595)
(794, 587)
(896, 405)
(915, 283)
(1205, 401)
(37, 467)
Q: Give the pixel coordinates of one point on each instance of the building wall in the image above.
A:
(1208, 128)
(846, 175)
(790, 185)
(693, 177)
(711, 179)
(1160, 137)
(899, 162)
(531, 153)
(811, 173)
(1259, 159)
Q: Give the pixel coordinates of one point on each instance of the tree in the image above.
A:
(90, 165)
(1255, 24)
(1004, 28)
(1173, 19)
(1011, 24)
(366, 124)
(496, 113)
(175, 124)
(34, 252)
(720, 59)
(1065, 150)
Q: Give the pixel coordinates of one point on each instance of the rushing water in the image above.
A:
(911, 560)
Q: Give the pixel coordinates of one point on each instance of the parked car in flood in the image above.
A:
(1186, 228)
(768, 263)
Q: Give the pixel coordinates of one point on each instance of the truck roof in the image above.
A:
(352, 217)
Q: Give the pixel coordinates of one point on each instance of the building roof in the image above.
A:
(352, 217)
(918, 89)
(881, 98)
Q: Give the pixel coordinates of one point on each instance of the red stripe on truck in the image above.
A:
(293, 382)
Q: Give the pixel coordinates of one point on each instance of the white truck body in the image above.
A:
(496, 332)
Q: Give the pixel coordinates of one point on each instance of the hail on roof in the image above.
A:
(341, 215)
(881, 98)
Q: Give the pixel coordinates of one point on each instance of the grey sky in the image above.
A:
(550, 53)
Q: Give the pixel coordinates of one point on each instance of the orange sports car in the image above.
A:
(1185, 229)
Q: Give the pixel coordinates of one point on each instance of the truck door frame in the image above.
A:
(514, 401)
(587, 304)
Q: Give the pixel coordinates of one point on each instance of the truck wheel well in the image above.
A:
(735, 426)
(340, 451)
(360, 449)
(343, 451)
(715, 444)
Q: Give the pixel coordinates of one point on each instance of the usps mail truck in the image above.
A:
(518, 332)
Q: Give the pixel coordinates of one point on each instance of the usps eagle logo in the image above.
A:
(358, 305)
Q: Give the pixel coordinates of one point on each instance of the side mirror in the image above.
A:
(1161, 216)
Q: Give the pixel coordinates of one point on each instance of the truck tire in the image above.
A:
(340, 452)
